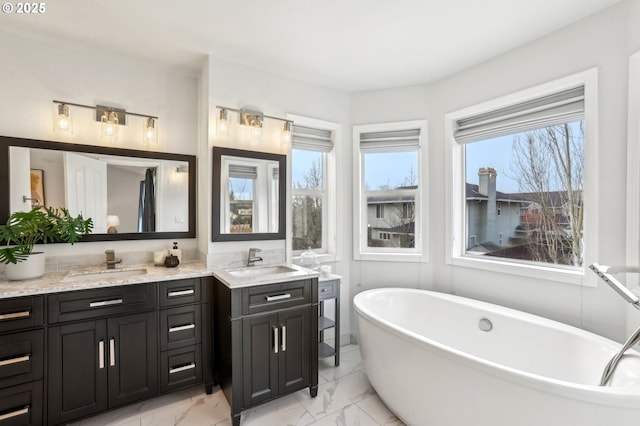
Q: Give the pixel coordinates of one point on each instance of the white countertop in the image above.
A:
(231, 281)
(54, 282)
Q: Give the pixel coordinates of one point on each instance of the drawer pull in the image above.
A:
(183, 368)
(16, 413)
(15, 315)
(278, 297)
(324, 290)
(105, 303)
(182, 327)
(15, 360)
(179, 293)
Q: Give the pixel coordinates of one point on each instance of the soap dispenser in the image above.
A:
(176, 251)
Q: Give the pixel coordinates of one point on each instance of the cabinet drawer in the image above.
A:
(180, 327)
(180, 367)
(21, 405)
(327, 289)
(180, 292)
(21, 357)
(270, 297)
(21, 313)
(85, 304)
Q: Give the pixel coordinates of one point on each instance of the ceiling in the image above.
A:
(348, 45)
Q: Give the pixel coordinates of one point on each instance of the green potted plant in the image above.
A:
(39, 225)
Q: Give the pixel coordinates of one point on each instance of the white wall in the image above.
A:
(36, 71)
(603, 41)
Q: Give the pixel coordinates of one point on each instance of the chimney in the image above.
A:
(487, 187)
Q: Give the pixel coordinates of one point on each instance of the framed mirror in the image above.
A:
(129, 194)
(249, 195)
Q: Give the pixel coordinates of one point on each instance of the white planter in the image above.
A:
(28, 269)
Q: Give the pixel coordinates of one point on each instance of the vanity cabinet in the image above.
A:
(105, 361)
(21, 361)
(265, 341)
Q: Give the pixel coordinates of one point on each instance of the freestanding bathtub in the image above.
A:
(444, 360)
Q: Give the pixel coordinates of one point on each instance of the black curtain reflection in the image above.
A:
(147, 202)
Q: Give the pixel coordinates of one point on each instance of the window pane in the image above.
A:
(390, 170)
(524, 195)
(307, 222)
(241, 204)
(307, 169)
(391, 221)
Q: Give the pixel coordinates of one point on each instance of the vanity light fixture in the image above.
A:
(150, 130)
(223, 122)
(286, 131)
(113, 221)
(62, 120)
(254, 119)
(108, 117)
(180, 170)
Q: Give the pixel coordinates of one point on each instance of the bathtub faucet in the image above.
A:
(605, 274)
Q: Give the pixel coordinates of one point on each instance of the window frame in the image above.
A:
(455, 203)
(331, 240)
(419, 253)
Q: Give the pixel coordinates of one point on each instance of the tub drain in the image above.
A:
(485, 324)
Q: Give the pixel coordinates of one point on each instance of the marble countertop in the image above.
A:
(260, 275)
(54, 282)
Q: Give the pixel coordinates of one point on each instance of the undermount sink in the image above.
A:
(253, 271)
(104, 274)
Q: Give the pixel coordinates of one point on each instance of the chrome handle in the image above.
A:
(275, 340)
(101, 354)
(15, 360)
(183, 368)
(324, 290)
(105, 303)
(180, 293)
(16, 413)
(112, 353)
(278, 297)
(182, 327)
(284, 337)
(14, 315)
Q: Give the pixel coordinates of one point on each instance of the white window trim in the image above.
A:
(633, 173)
(455, 194)
(360, 251)
(333, 192)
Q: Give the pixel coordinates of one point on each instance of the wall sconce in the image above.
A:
(112, 222)
(180, 170)
(223, 123)
(62, 120)
(110, 118)
(253, 119)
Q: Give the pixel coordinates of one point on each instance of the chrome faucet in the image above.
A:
(111, 259)
(251, 261)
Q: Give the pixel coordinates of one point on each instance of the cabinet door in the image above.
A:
(260, 347)
(294, 357)
(77, 379)
(133, 358)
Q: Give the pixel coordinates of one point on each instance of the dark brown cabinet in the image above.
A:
(21, 361)
(100, 364)
(265, 341)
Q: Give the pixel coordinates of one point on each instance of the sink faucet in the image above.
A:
(111, 259)
(251, 261)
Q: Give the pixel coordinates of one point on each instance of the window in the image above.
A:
(389, 197)
(313, 181)
(523, 167)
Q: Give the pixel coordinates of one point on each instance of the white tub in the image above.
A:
(431, 364)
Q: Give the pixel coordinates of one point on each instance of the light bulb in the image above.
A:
(223, 122)
(150, 131)
(62, 119)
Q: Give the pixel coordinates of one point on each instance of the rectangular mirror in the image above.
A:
(129, 194)
(249, 192)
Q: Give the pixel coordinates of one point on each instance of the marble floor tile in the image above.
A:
(345, 398)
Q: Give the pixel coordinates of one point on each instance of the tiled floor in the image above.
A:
(345, 397)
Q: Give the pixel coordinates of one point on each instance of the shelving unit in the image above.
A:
(328, 289)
